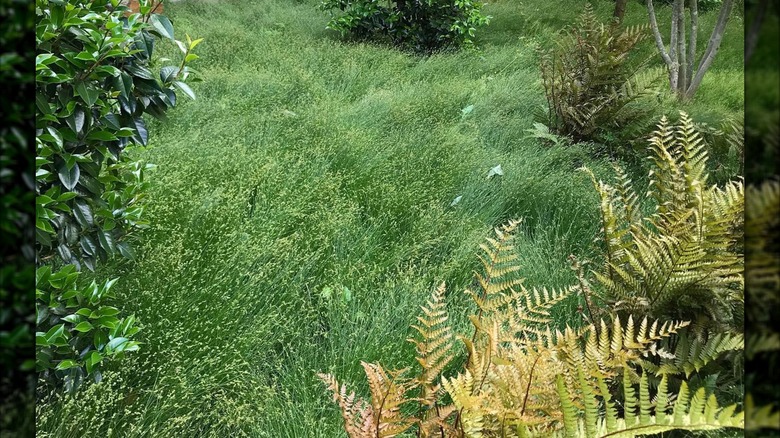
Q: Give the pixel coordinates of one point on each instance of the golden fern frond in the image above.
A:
(499, 261)
(434, 351)
(692, 155)
(381, 418)
(437, 422)
(528, 314)
(620, 217)
(665, 176)
(613, 346)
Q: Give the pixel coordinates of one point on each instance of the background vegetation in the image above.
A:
(17, 273)
(307, 203)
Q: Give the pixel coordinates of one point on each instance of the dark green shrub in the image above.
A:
(418, 25)
(78, 331)
(590, 80)
(95, 80)
(94, 83)
(16, 217)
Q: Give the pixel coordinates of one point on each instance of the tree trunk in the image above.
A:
(682, 82)
(694, 6)
(755, 28)
(712, 48)
(680, 60)
(620, 10)
(674, 67)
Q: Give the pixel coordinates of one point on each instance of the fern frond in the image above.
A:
(359, 421)
(684, 259)
(758, 343)
(434, 348)
(461, 389)
(499, 264)
(388, 391)
(764, 417)
(689, 354)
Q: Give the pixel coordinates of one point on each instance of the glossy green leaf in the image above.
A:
(83, 327)
(163, 25)
(69, 177)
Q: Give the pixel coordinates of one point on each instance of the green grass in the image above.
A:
(309, 163)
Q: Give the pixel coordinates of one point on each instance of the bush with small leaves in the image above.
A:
(419, 25)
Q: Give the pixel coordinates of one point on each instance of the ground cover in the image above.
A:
(303, 209)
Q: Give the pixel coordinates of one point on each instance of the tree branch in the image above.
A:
(659, 42)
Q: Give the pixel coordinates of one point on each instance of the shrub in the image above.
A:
(16, 216)
(418, 25)
(590, 80)
(95, 80)
(93, 85)
(78, 332)
(522, 378)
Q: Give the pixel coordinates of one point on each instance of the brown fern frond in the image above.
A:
(358, 416)
(388, 393)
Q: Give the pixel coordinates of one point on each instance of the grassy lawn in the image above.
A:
(301, 211)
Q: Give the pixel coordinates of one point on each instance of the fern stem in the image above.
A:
(528, 387)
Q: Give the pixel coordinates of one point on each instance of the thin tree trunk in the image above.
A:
(694, 6)
(674, 70)
(620, 10)
(682, 83)
(712, 48)
(755, 28)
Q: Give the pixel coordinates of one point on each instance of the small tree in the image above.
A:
(680, 58)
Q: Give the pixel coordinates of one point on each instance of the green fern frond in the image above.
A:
(700, 412)
(758, 343)
(687, 354)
